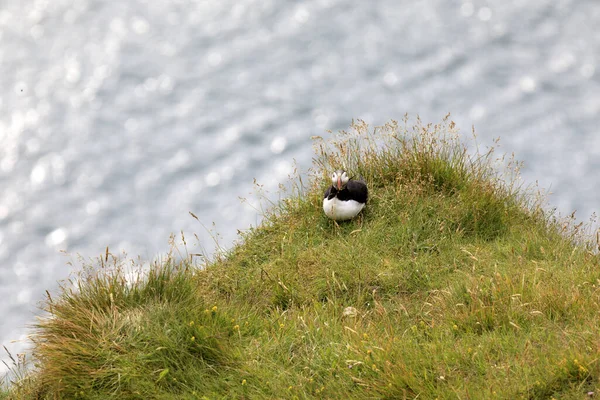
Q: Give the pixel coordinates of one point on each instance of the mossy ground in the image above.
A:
(452, 284)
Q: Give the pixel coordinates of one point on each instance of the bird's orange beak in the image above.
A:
(339, 182)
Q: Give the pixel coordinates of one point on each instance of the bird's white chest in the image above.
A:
(341, 210)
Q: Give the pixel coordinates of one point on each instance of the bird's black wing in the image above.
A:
(358, 191)
(330, 193)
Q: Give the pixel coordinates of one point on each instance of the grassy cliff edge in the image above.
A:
(454, 283)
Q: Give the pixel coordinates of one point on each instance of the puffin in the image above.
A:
(345, 198)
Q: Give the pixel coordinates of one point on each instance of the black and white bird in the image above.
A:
(345, 198)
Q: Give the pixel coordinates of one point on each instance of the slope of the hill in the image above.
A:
(453, 283)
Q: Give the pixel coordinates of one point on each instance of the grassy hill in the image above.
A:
(454, 283)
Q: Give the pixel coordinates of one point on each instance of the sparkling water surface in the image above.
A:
(119, 118)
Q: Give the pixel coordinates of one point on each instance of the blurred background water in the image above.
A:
(118, 118)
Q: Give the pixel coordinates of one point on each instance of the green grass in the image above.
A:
(453, 284)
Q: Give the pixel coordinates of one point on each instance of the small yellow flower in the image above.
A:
(191, 323)
(369, 352)
(365, 336)
(281, 326)
(236, 327)
(243, 382)
(214, 309)
(193, 338)
(455, 327)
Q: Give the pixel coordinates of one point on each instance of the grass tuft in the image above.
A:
(454, 282)
(112, 332)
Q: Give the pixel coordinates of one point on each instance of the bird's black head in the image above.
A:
(339, 179)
